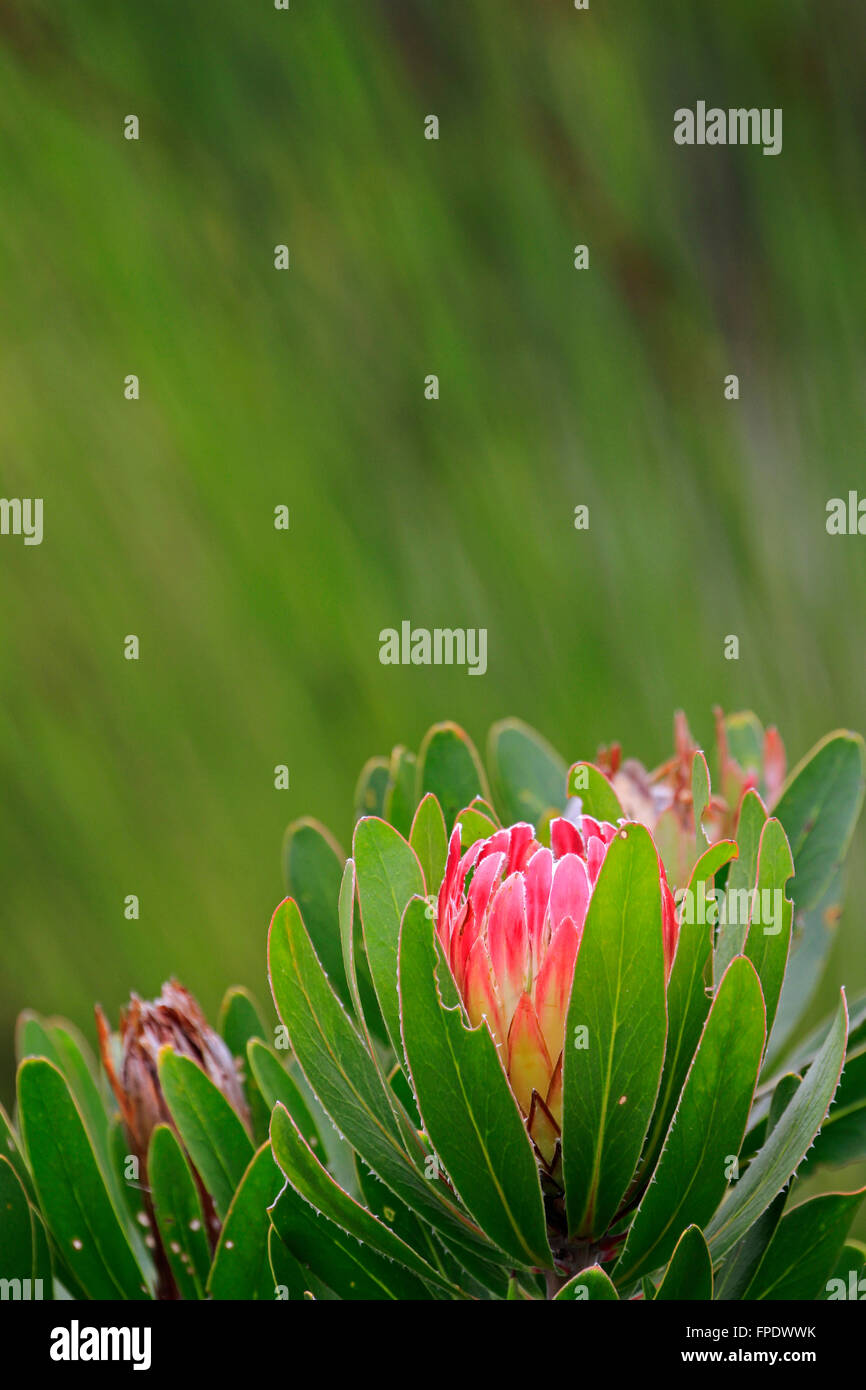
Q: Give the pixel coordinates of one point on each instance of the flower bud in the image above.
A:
(510, 918)
(173, 1020)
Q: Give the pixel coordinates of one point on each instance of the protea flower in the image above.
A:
(174, 1020)
(661, 799)
(510, 917)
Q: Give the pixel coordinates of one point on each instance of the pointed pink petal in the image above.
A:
(485, 880)
(522, 844)
(553, 985)
(565, 838)
(595, 852)
(479, 994)
(463, 937)
(447, 892)
(538, 878)
(569, 894)
(508, 943)
(590, 829)
(529, 1066)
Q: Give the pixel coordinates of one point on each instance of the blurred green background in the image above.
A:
(305, 388)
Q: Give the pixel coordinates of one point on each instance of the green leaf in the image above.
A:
(597, 797)
(313, 1182)
(345, 1078)
(687, 1000)
(848, 1280)
(313, 871)
(429, 839)
(689, 1275)
(818, 808)
(372, 788)
(11, 1150)
(843, 1134)
(388, 876)
(16, 1228)
(277, 1085)
(527, 776)
(72, 1191)
(212, 1132)
(731, 936)
(700, 798)
(802, 1255)
(291, 1280)
(400, 794)
(768, 941)
(785, 1148)
(475, 824)
(179, 1213)
(813, 936)
(449, 766)
(745, 737)
(240, 1020)
(592, 1285)
(58, 1043)
(618, 997)
(707, 1128)
(351, 1269)
(241, 1268)
(738, 1266)
(466, 1104)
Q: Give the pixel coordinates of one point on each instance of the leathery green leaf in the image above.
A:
(528, 776)
(818, 808)
(179, 1213)
(277, 1085)
(591, 1285)
(689, 1274)
(449, 766)
(707, 1127)
(388, 876)
(614, 1034)
(466, 1104)
(312, 871)
(332, 1054)
(785, 1148)
(327, 1252)
(597, 797)
(429, 839)
(212, 1132)
(769, 935)
(731, 935)
(802, 1255)
(71, 1188)
(688, 1004)
(313, 1182)
(848, 1279)
(241, 1268)
(16, 1227)
(372, 788)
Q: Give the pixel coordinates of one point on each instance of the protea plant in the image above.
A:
(510, 916)
(514, 1055)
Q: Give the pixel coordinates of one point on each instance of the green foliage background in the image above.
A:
(306, 388)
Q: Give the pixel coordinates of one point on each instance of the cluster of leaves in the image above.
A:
(389, 1158)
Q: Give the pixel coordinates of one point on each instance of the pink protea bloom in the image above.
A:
(510, 917)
